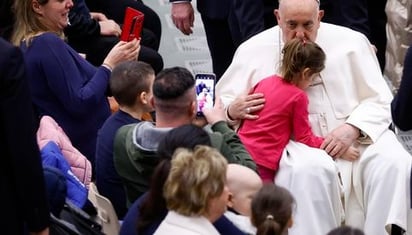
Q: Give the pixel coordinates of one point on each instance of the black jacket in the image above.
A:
(6, 19)
(402, 103)
(81, 24)
(22, 189)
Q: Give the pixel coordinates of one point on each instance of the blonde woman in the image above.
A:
(63, 84)
(195, 191)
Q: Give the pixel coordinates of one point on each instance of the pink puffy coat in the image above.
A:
(49, 130)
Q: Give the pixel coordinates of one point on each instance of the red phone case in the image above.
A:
(132, 24)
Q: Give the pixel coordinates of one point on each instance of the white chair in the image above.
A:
(106, 215)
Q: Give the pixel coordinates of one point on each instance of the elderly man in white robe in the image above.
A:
(349, 105)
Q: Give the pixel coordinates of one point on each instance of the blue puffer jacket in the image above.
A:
(56, 189)
(52, 156)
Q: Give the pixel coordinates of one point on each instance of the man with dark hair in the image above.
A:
(131, 85)
(174, 100)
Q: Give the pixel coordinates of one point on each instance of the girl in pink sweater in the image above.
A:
(285, 114)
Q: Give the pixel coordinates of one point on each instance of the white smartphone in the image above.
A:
(205, 91)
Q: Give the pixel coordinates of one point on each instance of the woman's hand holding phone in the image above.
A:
(123, 51)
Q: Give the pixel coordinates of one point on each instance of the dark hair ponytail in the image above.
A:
(269, 227)
(272, 209)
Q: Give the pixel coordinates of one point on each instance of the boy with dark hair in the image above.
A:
(131, 85)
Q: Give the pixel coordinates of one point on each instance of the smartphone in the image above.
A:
(205, 91)
(132, 24)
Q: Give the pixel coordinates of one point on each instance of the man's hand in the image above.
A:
(215, 114)
(98, 16)
(109, 27)
(183, 16)
(339, 140)
(244, 107)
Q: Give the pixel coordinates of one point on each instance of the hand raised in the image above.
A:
(215, 114)
(183, 16)
(123, 51)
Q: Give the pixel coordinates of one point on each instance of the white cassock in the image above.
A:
(376, 191)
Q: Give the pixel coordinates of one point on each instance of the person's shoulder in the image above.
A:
(6, 46)
(12, 69)
(123, 134)
(47, 41)
(339, 34)
(270, 83)
(48, 37)
(125, 130)
(9, 52)
(272, 79)
(265, 38)
(129, 133)
(329, 27)
(119, 119)
(123, 143)
(226, 225)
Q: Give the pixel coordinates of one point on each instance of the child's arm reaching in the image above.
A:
(351, 154)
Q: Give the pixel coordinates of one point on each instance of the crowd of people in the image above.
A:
(300, 139)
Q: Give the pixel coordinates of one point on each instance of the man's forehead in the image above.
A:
(317, 1)
(298, 21)
(300, 14)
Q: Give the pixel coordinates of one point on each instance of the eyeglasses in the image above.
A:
(317, 80)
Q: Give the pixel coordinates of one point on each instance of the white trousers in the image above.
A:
(312, 177)
(376, 188)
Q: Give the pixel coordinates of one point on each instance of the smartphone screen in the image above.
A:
(205, 91)
(132, 25)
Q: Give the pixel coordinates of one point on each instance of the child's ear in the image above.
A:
(306, 73)
(230, 201)
(144, 99)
